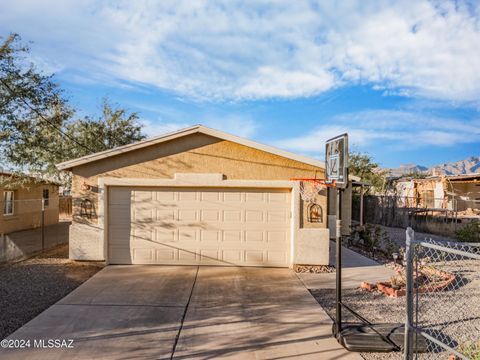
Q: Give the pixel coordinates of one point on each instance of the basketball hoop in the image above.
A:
(309, 187)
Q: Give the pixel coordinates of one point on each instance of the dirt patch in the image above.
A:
(31, 286)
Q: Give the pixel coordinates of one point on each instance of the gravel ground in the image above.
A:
(33, 285)
(452, 316)
(374, 306)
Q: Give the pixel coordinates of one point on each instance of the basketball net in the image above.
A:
(310, 189)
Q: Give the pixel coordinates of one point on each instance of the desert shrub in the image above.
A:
(470, 232)
(371, 238)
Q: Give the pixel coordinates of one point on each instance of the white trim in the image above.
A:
(105, 182)
(6, 201)
(67, 165)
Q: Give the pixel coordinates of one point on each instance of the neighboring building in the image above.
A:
(460, 193)
(22, 205)
(196, 196)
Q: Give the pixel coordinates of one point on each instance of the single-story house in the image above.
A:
(197, 196)
(22, 204)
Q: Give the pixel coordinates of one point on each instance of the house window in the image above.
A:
(46, 196)
(8, 199)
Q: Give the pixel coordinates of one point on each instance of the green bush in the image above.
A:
(470, 232)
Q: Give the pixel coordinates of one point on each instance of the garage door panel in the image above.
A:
(188, 215)
(210, 215)
(164, 196)
(187, 255)
(210, 236)
(254, 216)
(165, 215)
(255, 197)
(210, 196)
(209, 255)
(187, 235)
(166, 254)
(232, 236)
(199, 226)
(165, 236)
(254, 236)
(143, 197)
(234, 216)
(232, 256)
(187, 196)
(232, 197)
(143, 215)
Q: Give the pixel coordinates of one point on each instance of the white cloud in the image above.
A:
(391, 129)
(254, 50)
(235, 124)
(156, 128)
(239, 125)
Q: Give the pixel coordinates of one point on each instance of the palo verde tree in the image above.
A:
(37, 126)
(363, 166)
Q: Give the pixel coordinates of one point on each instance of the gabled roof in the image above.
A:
(68, 165)
(36, 179)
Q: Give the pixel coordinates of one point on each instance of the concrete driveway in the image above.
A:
(184, 312)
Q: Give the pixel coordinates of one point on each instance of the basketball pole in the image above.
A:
(338, 261)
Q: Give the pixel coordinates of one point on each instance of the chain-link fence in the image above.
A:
(443, 298)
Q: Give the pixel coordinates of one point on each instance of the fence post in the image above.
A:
(43, 224)
(338, 262)
(408, 346)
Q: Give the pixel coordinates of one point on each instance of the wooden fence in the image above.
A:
(65, 206)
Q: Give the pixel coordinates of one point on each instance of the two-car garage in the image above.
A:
(210, 226)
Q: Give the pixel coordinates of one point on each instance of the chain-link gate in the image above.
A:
(443, 298)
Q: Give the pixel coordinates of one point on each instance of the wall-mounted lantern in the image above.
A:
(87, 209)
(315, 213)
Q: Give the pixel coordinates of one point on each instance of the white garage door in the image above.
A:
(245, 227)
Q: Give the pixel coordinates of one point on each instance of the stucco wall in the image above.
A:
(197, 153)
(27, 208)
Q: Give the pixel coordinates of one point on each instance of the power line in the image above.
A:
(40, 115)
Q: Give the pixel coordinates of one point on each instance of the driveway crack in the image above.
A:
(184, 315)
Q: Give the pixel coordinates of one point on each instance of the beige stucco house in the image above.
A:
(196, 196)
(22, 205)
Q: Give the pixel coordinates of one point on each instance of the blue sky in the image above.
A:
(402, 77)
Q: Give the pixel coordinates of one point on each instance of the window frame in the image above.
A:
(5, 202)
(46, 199)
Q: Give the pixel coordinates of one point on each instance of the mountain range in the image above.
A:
(467, 166)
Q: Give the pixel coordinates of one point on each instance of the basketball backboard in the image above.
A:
(336, 160)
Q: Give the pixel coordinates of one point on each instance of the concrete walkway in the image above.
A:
(185, 312)
(355, 269)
